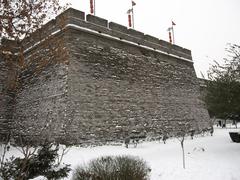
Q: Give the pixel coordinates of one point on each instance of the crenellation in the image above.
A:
(165, 44)
(118, 27)
(151, 39)
(73, 13)
(97, 20)
(49, 27)
(135, 33)
(76, 19)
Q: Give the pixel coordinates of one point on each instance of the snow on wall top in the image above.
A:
(72, 18)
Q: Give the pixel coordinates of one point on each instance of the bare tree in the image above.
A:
(19, 19)
(20, 28)
(183, 130)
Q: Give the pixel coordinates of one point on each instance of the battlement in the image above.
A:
(72, 18)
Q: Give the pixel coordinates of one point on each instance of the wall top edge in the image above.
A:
(102, 26)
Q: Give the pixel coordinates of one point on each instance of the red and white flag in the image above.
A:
(92, 7)
(129, 20)
(170, 37)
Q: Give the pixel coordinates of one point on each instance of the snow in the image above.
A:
(208, 157)
(39, 178)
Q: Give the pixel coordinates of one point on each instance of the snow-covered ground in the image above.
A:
(207, 158)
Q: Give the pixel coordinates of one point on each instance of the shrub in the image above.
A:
(42, 163)
(113, 168)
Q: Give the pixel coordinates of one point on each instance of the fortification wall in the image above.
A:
(109, 81)
(7, 83)
(40, 103)
(78, 19)
(3, 97)
(122, 81)
(117, 88)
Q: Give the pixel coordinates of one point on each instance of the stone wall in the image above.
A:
(7, 94)
(116, 88)
(90, 81)
(40, 106)
(41, 98)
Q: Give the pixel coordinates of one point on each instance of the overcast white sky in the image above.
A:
(203, 26)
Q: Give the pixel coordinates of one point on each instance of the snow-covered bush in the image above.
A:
(110, 168)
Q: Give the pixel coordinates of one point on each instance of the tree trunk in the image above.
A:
(183, 153)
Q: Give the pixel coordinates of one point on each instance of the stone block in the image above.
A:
(73, 13)
(187, 51)
(118, 27)
(97, 20)
(177, 48)
(49, 26)
(151, 39)
(165, 44)
(183, 52)
(133, 32)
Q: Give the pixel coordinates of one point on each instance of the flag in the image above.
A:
(129, 11)
(129, 20)
(173, 23)
(133, 3)
(91, 7)
(170, 37)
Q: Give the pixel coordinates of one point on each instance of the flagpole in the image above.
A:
(173, 33)
(94, 11)
(132, 15)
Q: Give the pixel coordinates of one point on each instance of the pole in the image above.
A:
(94, 10)
(173, 24)
(132, 15)
(173, 35)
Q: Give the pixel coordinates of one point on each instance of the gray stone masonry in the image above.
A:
(75, 18)
(116, 89)
(105, 82)
(7, 80)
